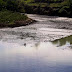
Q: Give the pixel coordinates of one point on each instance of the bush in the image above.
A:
(9, 17)
(64, 11)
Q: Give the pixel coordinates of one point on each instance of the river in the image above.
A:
(43, 46)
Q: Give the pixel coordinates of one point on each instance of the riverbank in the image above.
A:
(18, 23)
(13, 19)
(62, 8)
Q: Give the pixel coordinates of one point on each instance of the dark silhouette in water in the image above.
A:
(24, 44)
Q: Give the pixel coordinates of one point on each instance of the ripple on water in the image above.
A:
(27, 49)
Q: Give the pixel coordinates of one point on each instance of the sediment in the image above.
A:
(18, 23)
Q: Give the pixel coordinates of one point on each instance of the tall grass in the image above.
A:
(9, 17)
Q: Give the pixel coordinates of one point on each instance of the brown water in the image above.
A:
(31, 49)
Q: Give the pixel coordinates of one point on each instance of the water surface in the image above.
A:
(38, 57)
(31, 49)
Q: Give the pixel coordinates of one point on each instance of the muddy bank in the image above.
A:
(44, 30)
(53, 21)
(17, 23)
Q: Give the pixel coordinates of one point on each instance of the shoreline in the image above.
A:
(18, 23)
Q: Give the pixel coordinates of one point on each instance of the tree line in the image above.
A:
(14, 5)
(65, 6)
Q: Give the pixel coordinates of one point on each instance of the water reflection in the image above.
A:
(34, 57)
(63, 41)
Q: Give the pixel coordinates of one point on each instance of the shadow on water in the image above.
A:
(63, 41)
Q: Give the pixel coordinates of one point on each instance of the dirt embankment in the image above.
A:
(18, 23)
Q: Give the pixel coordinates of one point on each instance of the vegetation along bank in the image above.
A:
(10, 10)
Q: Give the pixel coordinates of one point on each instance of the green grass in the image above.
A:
(28, 1)
(9, 17)
(37, 4)
(55, 5)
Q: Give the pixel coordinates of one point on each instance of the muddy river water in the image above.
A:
(40, 47)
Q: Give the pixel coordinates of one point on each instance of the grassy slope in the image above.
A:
(9, 17)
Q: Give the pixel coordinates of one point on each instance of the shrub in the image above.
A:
(9, 17)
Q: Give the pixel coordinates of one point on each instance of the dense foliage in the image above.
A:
(9, 17)
(49, 7)
(14, 5)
